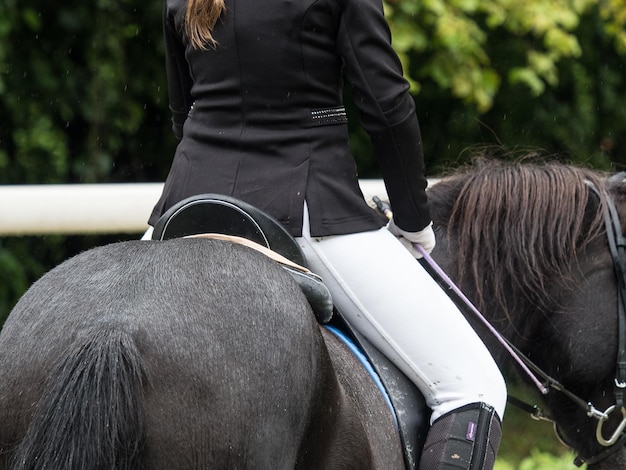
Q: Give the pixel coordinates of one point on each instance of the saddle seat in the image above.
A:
(225, 217)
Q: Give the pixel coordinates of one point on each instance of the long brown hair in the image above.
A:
(200, 19)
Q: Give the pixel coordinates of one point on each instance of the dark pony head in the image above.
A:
(527, 243)
(513, 227)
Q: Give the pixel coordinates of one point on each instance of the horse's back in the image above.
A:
(229, 350)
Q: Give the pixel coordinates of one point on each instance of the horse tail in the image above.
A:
(91, 413)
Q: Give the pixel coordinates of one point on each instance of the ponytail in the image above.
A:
(200, 19)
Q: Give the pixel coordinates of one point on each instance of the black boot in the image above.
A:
(465, 438)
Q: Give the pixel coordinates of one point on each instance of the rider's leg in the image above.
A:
(387, 295)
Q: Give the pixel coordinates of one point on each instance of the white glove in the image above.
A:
(425, 238)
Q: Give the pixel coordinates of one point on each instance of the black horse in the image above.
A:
(205, 354)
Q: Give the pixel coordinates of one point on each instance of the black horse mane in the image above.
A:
(530, 220)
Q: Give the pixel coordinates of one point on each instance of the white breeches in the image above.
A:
(388, 297)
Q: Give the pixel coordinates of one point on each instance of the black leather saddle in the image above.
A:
(216, 213)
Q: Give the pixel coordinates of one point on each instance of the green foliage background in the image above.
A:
(83, 95)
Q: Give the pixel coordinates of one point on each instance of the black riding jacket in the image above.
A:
(260, 116)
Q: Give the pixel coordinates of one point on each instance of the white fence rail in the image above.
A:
(91, 208)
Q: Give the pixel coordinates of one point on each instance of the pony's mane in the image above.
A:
(518, 226)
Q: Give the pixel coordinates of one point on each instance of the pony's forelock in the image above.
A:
(516, 225)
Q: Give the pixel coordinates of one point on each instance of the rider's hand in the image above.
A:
(425, 238)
